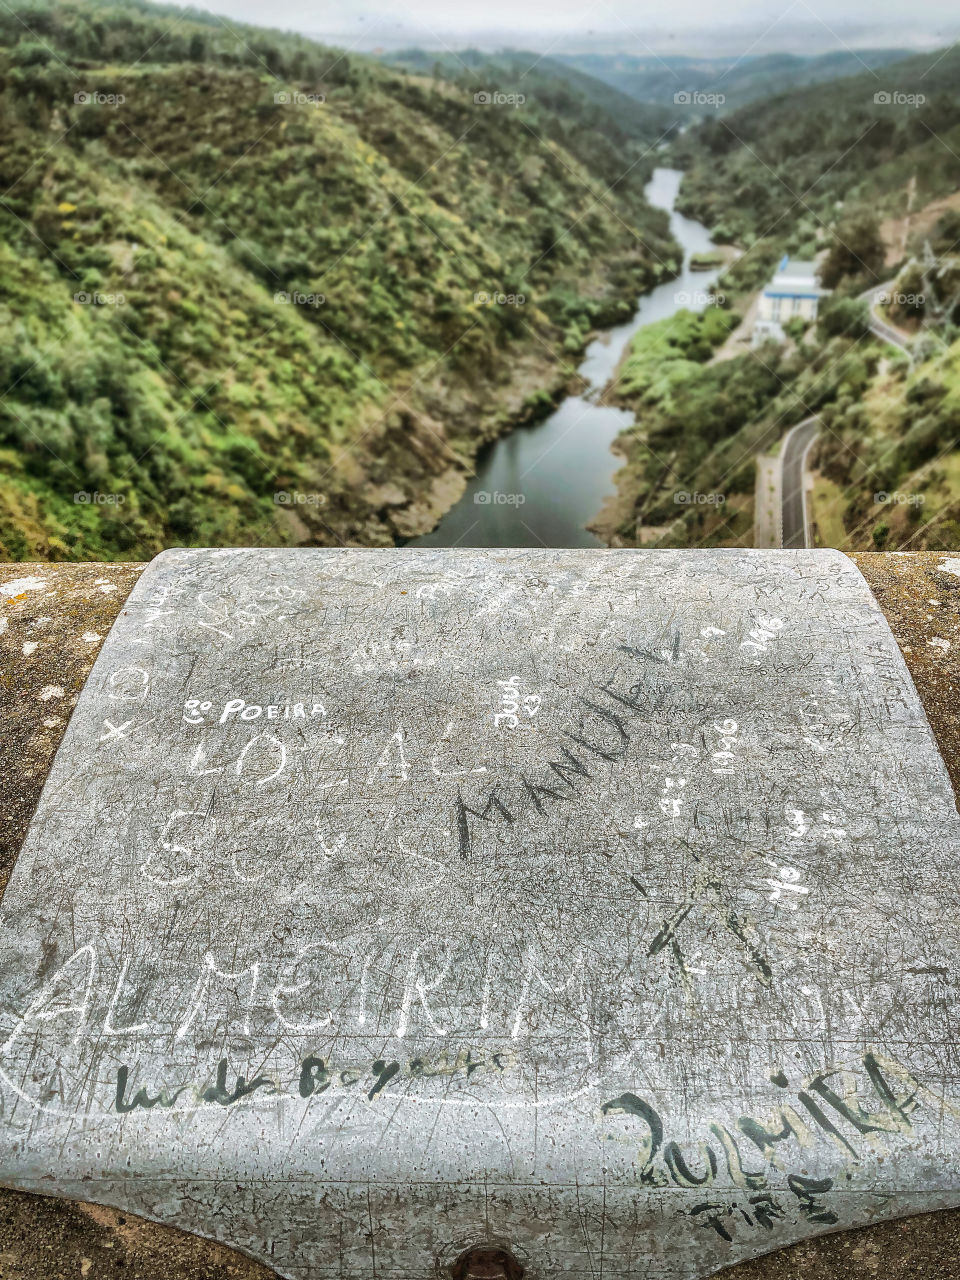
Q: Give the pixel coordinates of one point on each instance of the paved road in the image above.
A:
(793, 527)
(880, 328)
(793, 522)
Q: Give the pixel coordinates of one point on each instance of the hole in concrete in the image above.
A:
(486, 1262)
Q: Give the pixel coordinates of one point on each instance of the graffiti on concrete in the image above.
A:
(621, 880)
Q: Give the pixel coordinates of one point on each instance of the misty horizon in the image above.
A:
(765, 29)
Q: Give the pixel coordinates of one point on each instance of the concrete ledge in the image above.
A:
(47, 1239)
(56, 617)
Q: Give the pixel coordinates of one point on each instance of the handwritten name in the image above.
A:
(197, 711)
(315, 1076)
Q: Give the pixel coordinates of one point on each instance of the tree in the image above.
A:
(909, 293)
(857, 249)
(846, 317)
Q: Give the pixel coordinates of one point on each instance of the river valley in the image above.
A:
(542, 484)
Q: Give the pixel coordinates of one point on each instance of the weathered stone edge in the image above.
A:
(51, 630)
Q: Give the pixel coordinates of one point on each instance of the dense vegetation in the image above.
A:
(663, 355)
(689, 438)
(814, 169)
(252, 265)
(863, 174)
(888, 455)
(236, 264)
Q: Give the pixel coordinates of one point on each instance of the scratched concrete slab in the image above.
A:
(596, 902)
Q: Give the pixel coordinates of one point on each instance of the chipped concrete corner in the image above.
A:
(737, 1064)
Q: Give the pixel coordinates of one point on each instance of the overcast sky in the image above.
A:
(632, 26)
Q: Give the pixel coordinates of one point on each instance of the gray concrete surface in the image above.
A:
(588, 1040)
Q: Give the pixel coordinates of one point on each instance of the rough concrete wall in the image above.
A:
(52, 621)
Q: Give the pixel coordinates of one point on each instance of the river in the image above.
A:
(539, 485)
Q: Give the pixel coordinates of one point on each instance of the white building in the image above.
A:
(794, 292)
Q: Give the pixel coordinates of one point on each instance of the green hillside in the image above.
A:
(555, 83)
(888, 455)
(235, 263)
(801, 171)
(864, 174)
(654, 80)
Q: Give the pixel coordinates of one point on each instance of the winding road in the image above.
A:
(794, 531)
(880, 328)
(794, 525)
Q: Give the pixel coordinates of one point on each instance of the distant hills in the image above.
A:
(553, 82)
(651, 80)
(656, 80)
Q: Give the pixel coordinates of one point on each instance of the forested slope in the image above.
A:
(235, 263)
(862, 173)
(796, 171)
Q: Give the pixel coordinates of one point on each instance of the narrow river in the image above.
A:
(540, 485)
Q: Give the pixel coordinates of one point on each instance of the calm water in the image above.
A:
(562, 467)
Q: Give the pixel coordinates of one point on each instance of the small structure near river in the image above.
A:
(793, 293)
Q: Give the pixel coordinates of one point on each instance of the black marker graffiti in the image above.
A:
(664, 1163)
(609, 737)
(314, 1076)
